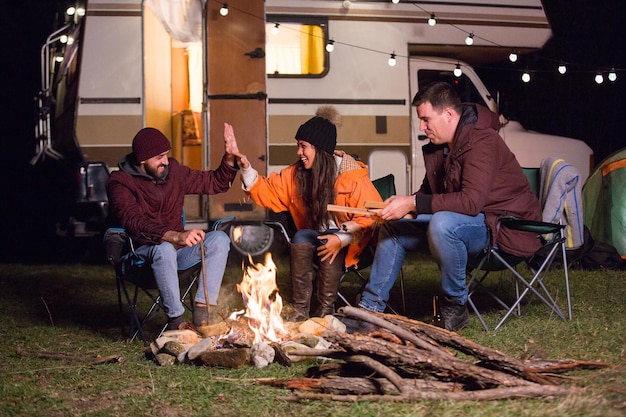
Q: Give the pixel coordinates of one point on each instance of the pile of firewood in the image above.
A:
(403, 360)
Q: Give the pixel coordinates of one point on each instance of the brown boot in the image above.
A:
(301, 279)
(328, 277)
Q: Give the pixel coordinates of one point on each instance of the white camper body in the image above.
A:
(365, 33)
(131, 77)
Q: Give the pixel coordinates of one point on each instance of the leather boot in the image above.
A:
(301, 279)
(328, 276)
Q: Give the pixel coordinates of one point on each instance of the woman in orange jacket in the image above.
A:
(320, 177)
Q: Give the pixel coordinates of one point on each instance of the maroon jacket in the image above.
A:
(147, 208)
(480, 174)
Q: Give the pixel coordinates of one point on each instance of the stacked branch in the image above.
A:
(410, 360)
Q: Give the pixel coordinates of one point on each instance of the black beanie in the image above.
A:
(149, 142)
(319, 132)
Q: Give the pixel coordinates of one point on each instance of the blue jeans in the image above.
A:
(165, 261)
(310, 236)
(451, 237)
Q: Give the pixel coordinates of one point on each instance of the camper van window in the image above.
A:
(464, 87)
(296, 48)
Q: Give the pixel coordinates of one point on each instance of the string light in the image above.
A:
(612, 75)
(276, 29)
(599, 78)
(457, 71)
(432, 21)
(330, 46)
(224, 10)
(70, 11)
(395, 1)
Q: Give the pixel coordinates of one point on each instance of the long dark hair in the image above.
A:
(316, 187)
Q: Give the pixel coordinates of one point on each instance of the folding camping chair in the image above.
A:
(553, 237)
(134, 278)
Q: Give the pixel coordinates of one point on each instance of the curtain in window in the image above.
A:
(312, 49)
(182, 19)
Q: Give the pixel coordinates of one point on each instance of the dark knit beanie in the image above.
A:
(149, 142)
(319, 132)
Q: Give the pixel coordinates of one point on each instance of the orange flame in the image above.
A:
(262, 301)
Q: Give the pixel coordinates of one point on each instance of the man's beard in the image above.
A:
(154, 172)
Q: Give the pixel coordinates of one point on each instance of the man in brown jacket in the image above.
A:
(471, 179)
(146, 197)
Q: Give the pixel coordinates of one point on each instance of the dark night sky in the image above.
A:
(587, 34)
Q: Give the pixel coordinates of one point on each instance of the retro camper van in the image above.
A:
(265, 66)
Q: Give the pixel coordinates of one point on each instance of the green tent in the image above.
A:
(604, 202)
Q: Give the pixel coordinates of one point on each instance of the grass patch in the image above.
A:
(72, 308)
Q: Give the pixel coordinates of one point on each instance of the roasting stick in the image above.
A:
(354, 210)
(371, 208)
(206, 291)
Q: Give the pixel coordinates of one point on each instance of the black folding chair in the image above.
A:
(134, 278)
(527, 284)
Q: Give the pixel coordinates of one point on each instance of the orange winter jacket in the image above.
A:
(352, 188)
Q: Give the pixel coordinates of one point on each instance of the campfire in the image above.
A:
(263, 304)
(399, 359)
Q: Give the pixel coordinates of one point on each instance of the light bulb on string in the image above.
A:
(599, 79)
(70, 11)
(392, 60)
(513, 56)
(276, 29)
(330, 46)
(470, 39)
(562, 69)
(64, 38)
(612, 75)
(432, 21)
(395, 1)
(526, 77)
(457, 71)
(224, 10)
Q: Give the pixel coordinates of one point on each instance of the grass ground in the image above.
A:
(72, 309)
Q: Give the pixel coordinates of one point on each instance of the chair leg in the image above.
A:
(537, 279)
(565, 270)
(473, 284)
(339, 294)
(402, 291)
(135, 325)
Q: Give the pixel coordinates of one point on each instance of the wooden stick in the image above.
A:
(371, 211)
(353, 210)
(529, 391)
(374, 204)
(206, 291)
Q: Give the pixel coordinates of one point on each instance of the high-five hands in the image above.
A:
(231, 148)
